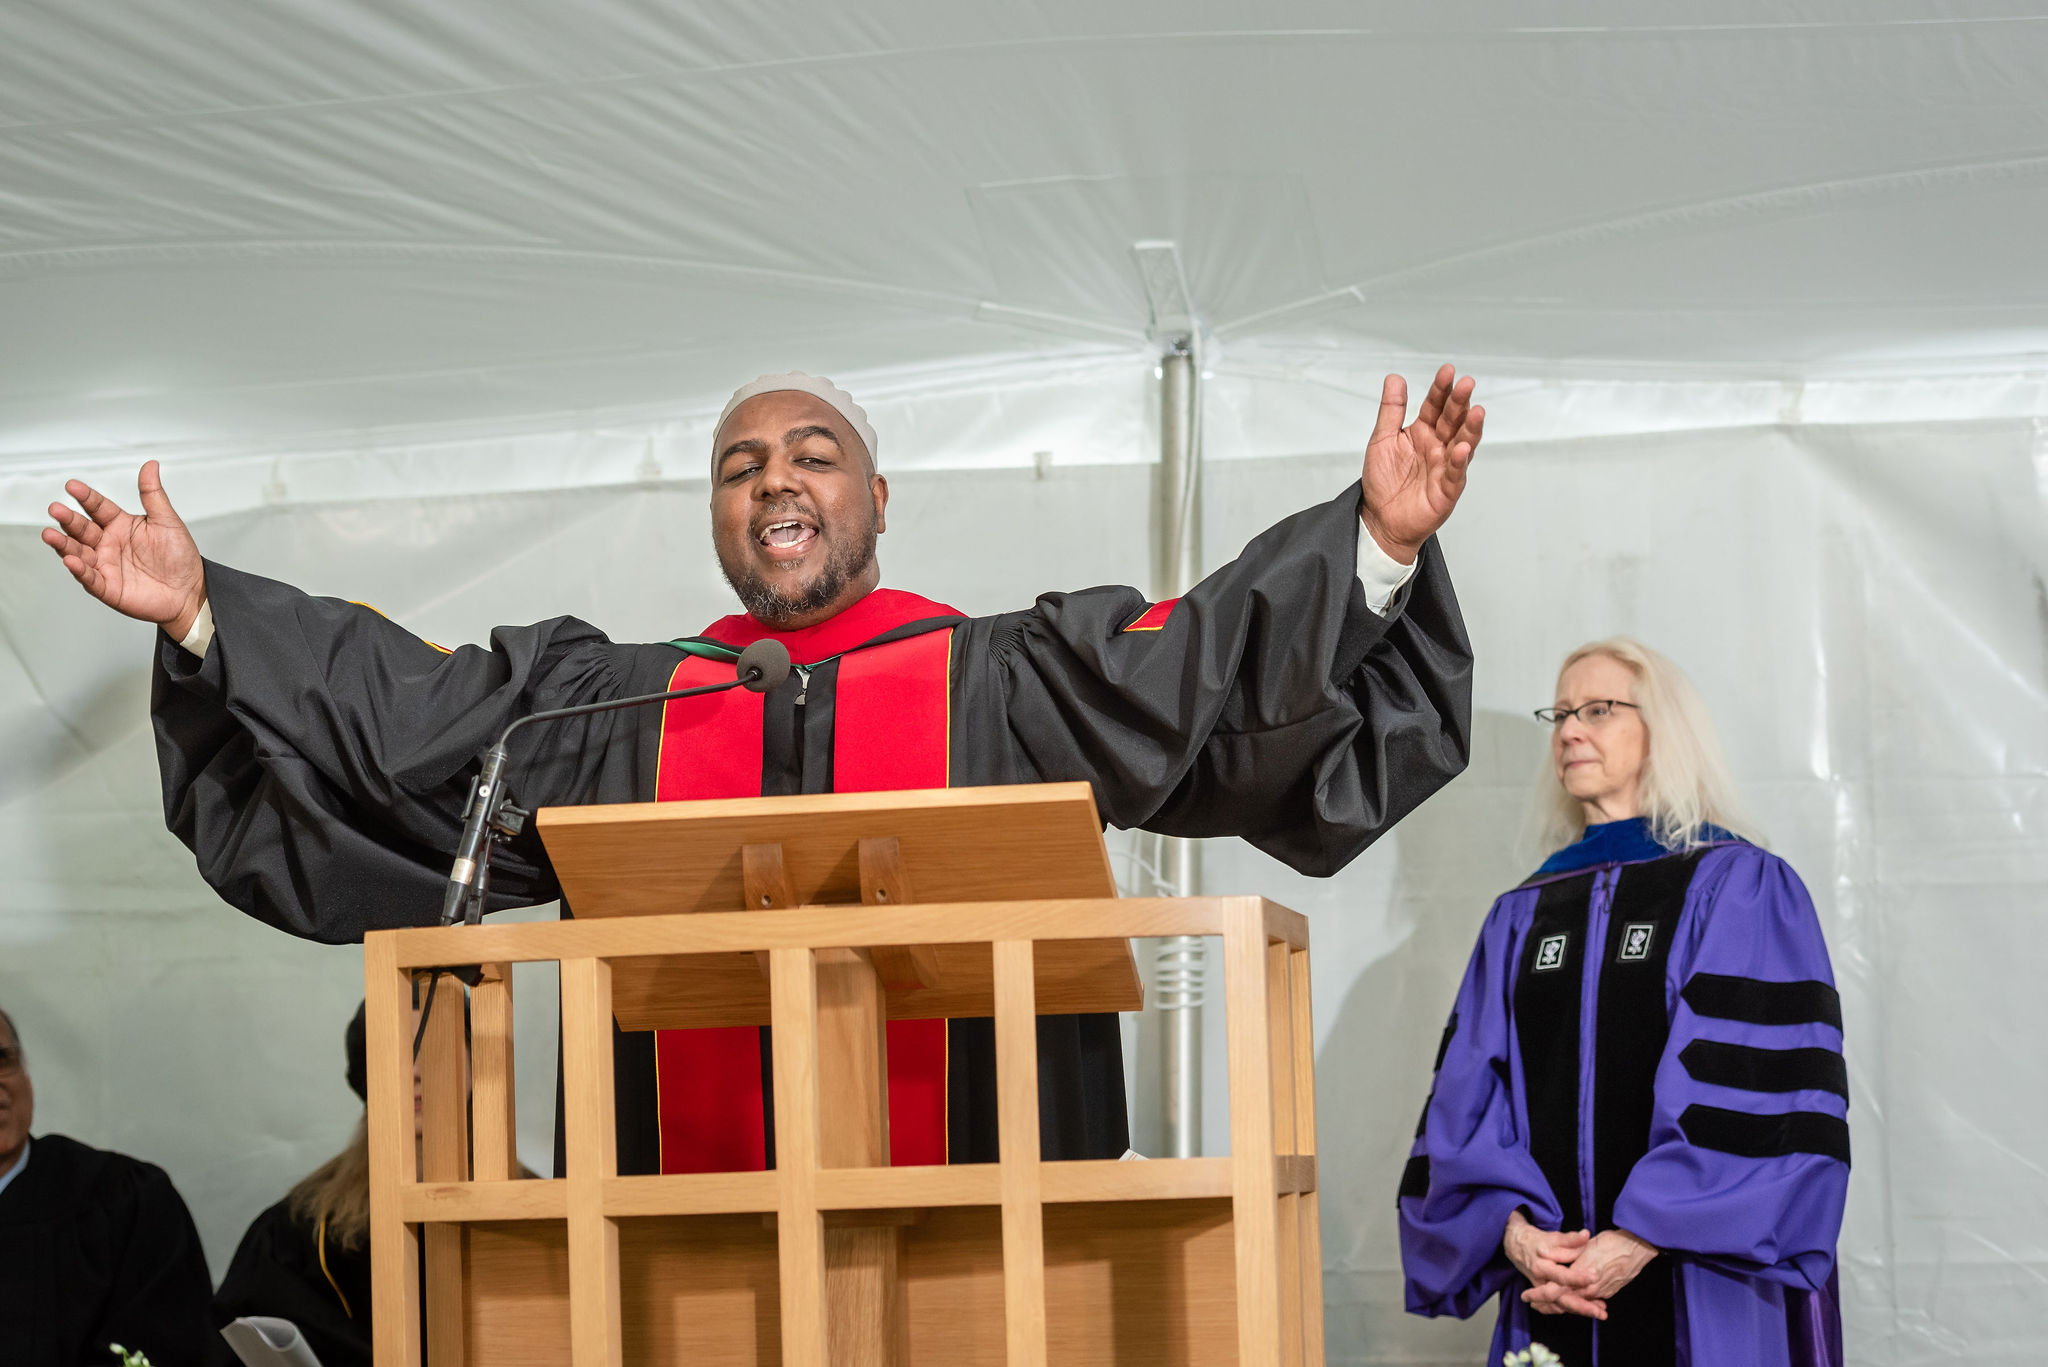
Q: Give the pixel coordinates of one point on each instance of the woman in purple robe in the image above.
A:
(1637, 1139)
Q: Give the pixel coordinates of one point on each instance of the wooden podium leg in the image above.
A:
(1304, 1066)
(861, 1262)
(394, 1245)
(853, 1062)
(864, 1296)
(1254, 1178)
(444, 1157)
(495, 1145)
(1280, 1047)
(590, 1132)
(1017, 1136)
(799, 1230)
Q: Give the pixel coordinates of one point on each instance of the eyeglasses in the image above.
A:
(10, 1059)
(1595, 713)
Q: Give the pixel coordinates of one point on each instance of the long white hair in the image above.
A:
(1685, 785)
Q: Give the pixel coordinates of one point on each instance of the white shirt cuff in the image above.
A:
(1381, 574)
(201, 635)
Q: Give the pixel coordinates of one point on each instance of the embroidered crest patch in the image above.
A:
(1550, 953)
(1635, 941)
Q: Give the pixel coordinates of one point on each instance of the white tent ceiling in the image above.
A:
(1757, 293)
(233, 229)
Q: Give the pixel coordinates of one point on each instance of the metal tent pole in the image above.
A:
(1178, 964)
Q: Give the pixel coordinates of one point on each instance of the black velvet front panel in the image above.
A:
(1548, 983)
(1633, 1026)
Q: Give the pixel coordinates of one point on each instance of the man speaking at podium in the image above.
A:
(316, 757)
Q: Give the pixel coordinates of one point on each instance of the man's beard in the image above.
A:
(772, 604)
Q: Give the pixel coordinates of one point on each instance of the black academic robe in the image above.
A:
(281, 1269)
(97, 1248)
(318, 759)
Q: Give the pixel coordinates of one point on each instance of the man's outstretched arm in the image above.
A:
(316, 756)
(1274, 701)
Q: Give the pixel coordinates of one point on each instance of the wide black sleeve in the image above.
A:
(318, 759)
(157, 1300)
(1270, 703)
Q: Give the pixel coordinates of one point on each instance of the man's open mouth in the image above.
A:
(787, 534)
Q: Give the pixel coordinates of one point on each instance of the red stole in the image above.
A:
(891, 731)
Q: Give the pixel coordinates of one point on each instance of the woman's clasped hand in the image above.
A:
(1573, 1271)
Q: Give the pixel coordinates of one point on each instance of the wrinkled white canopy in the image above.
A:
(536, 242)
(1757, 293)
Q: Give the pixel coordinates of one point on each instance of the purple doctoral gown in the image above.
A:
(1683, 1081)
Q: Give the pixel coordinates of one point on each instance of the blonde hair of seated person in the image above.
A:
(334, 1198)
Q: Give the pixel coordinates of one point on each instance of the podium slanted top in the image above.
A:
(1016, 842)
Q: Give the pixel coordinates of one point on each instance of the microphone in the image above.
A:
(491, 819)
(763, 665)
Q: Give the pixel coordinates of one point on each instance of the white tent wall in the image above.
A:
(1755, 289)
(1862, 605)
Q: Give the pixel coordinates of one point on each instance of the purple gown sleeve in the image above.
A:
(1748, 1164)
(1470, 1167)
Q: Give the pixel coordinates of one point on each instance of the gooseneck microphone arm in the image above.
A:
(490, 819)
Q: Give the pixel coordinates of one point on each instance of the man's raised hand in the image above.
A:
(1415, 474)
(146, 566)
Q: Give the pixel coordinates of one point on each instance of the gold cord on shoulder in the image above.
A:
(320, 1238)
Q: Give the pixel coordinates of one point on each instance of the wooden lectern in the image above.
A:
(824, 916)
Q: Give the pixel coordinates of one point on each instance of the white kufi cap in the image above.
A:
(817, 387)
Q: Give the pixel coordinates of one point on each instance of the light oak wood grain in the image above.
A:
(394, 1245)
(960, 844)
(495, 1144)
(1132, 1284)
(864, 1295)
(1138, 1284)
(1303, 1179)
(1017, 1140)
(444, 1157)
(833, 1256)
(953, 923)
(1154, 1179)
(591, 1143)
(1289, 927)
(764, 886)
(705, 991)
(1255, 1190)
(1287, 1217)
(697, 1193)
(800, 1233)
(896, 1192)
(884, 883)
(861, 1294)
(974, 1184)
(463, 1202)
(517, 1312)
(853, 1060)
(1295, 1173)
(764, 878)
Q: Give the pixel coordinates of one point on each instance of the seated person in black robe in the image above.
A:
(96, 1248)
(307, 1258)
(317, 757)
